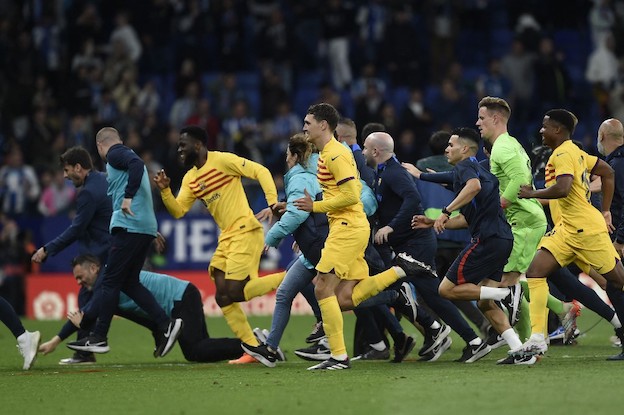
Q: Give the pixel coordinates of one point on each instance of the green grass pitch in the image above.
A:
(128, 380)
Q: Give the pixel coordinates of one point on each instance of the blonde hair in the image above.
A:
(300, 146)
(496, 104)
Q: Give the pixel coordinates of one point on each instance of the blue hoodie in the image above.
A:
(296, 180)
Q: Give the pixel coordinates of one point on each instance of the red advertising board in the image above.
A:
(49, 296)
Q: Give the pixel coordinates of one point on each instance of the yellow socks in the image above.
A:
(333, 325)
(538, 288)
(262, 285)
(237, 320)
(371, 286)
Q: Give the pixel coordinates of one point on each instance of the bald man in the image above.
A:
(133, 226)
(610, 144)
(398, 199)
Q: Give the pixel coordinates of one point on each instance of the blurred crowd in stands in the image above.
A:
(246, 71)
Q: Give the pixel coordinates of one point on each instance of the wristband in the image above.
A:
(446, 212)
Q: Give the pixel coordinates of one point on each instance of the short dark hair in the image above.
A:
(196, 132)
(372, 127)
(563, 117)
(347, 121)
(84, 258)
(76, 155)
(467, 134)
(325, 112)
(439, 141)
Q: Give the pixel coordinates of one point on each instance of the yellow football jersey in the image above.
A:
(339, 179)
(574, 212)
(218, 185)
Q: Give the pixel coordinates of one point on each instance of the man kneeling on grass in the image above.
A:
(179, 299)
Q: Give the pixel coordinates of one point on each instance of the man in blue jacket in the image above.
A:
(179, 299)
(610, 144)
(89, 228)
(133, 226)
(399, 200)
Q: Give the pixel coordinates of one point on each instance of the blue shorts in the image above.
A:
(480, 259)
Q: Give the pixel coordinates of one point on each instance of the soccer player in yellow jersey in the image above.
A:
(342, 280)
(581, 232)
(214, 178)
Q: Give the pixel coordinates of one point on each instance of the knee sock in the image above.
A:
(370, 286)
(554, 304)
(237, 320)
(538, 288)
(523, 326)
(333, 326)
(262, 285)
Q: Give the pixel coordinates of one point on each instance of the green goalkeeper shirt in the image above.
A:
(512, 166)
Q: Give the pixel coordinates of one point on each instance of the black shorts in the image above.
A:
(480, 259)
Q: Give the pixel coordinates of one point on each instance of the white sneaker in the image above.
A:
(536, 345)
(260, 334)
(28, 345)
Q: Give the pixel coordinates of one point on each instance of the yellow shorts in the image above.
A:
(238, 255)
(344, 251)
(595, 251)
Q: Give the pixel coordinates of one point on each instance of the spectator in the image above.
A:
(240, 132)
(415, 116)
(493, 83)
(185, 76)
(126, 92)
(601, 21)
(225, 91)
(184, 106)
(148, 98)
(275, 48)
(371, 18)
(56, 197)
(401, 56)
(126, 35)
(204, 118)
(552, 82)
(87, 56)
(19, 186)
(338, 21)
(601, 73)
(272, 93)
(518, 67)
(367, 77)
(368, 108)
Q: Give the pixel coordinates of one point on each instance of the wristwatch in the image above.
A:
(446, 212)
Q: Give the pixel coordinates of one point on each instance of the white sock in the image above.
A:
(379, 346)
(615, 321)
(435, 325)
(340, 356)
(476, 341)
(512, 339)
(492, 293)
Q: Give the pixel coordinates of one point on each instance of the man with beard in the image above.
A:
(133, 227)
(215, 179)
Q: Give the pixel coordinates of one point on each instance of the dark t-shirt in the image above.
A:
(484, 214)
